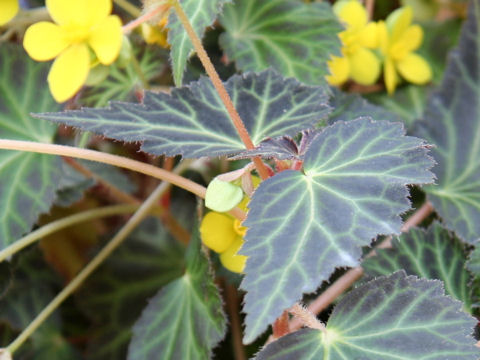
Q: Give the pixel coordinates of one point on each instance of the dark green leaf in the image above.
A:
(116, 295)
(32, 287)
(193, 122)
(473, 263)
(452, 123)
(71, 187)
(391, 318)
(28, 181)
(189, 307)
(293, 37)
(432, 254)
(201, 13)
(352, 106)
(301, 226)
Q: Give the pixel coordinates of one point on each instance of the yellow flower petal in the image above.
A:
(415, 69)
(391, 78)
(339, 69)
(9, 9)
(382, 37)
(398, 22)
(106, 39)
(364, 66)
(231, 260)
(79, 12)
(368, 36)
(44, 40)
(352, 13)
(411, 39)
(154, 35)
(98, 10)
(217, 232)
(69, 72)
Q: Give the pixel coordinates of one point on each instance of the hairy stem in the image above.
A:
(352, 275)
(105, 158)
(64, 223)
(306, 317)
(114, 160)
(78, 280)
(128, 7)
(218, 84)
(145, 17)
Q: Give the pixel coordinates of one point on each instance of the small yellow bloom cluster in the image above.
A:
(366, 45)
(156, 34)
(224, 234)
(83, 35)
(8, 10)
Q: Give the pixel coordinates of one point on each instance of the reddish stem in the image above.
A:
(280, 326)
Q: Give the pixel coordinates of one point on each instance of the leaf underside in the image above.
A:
(193, 121)
(301, 226)
(431, 254)
(452, 123)
(397, 317)
(28, 181)
(293, 37)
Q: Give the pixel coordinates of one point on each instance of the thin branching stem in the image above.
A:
(67, 221)
(218, 84)
(155, 12)
(128, 7)
(114, 191)
(142, 212)
(115, 160)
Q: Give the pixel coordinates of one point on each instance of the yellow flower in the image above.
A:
(358, 62)
(398, 39)
(224, 234)
(156, 34)
(8, 10)
(81, 26)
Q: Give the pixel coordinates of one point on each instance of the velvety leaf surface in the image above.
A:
(201, 13)
(115, 296)
(301, 226)
(28, 181)
(293, 37)
(185, 320)
(452, 123)
(390, 318)
(431, 254)
(193, 122)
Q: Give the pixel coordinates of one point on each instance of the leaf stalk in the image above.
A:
(218, 84)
